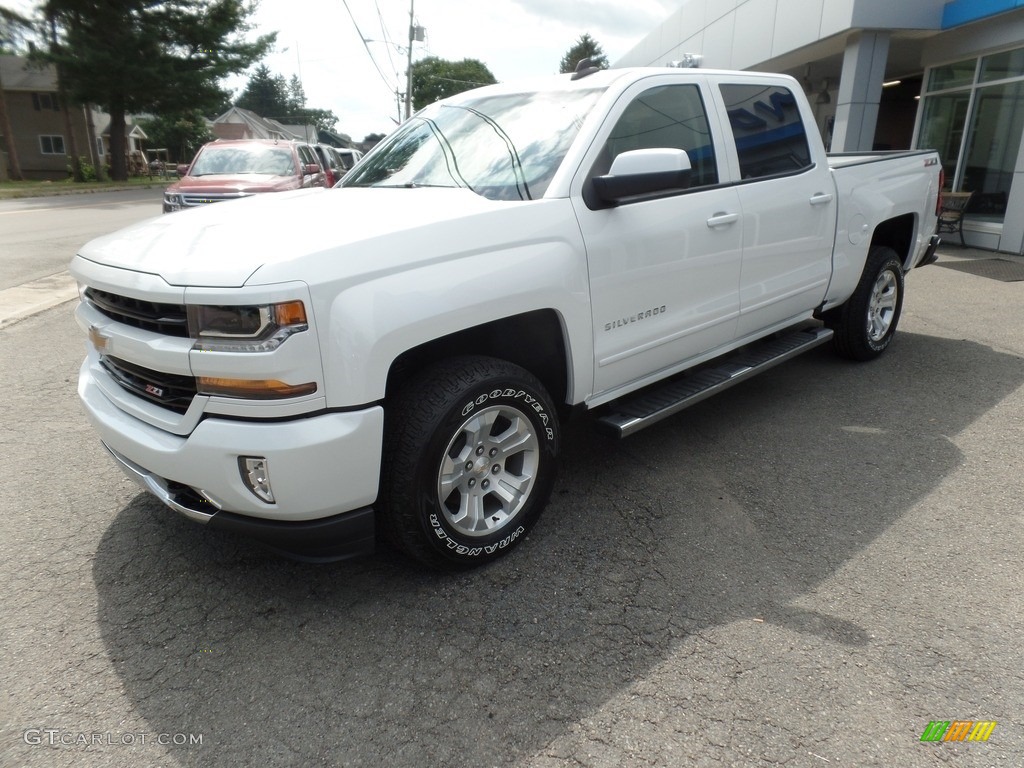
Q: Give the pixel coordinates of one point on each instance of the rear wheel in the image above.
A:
(470, 456)
(865, 324)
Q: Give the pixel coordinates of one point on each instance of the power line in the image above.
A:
(369, 53)
(387, 39)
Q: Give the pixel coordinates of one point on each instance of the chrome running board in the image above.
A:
(651, 405)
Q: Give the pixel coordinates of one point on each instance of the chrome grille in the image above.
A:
(170, 390)
(192, 199)
(168, 319)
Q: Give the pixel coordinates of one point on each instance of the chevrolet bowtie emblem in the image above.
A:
(98, 339)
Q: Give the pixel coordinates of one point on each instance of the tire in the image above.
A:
(864, 326)
(470, 456)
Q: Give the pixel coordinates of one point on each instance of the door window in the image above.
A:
(668, 117)
(766, 126)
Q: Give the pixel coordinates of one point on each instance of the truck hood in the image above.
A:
(222, 245)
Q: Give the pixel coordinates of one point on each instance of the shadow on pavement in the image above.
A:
(726, 512)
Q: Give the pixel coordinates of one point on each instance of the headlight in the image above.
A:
(172, 201)
(247, 328)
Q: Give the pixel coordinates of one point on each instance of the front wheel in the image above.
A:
(865, 324)
(470, 456)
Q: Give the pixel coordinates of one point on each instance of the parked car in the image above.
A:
(230, 169)
(330, 159)
(349, 157)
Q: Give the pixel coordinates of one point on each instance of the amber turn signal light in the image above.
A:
(252, 389)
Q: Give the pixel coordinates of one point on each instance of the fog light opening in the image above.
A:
(256, 476)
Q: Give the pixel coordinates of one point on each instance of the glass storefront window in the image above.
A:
(997, 122)
(942, 128)
(989, 111)
(952, 75)
(1002, 66)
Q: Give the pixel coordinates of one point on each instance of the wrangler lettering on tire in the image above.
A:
(470, 455)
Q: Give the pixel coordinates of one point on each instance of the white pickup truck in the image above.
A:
(392, 358)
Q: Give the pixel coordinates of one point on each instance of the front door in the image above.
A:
(664, 273)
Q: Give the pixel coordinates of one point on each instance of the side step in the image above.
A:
(650, 406)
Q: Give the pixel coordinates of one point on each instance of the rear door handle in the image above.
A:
(821, 198)
(722, 219)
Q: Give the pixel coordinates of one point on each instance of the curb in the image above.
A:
(23, 301)
(27, 194)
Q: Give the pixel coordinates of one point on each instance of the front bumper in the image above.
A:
(324, 470)
(330, 538)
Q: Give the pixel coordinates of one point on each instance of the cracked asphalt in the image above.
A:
(803, 571)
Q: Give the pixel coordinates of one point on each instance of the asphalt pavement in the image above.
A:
(806, 570)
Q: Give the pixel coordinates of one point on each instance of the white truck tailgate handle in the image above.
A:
(821, 198)
(721, 219)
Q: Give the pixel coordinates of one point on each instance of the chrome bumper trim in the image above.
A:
(158, 487)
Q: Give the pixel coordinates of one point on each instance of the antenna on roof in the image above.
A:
(585, 67)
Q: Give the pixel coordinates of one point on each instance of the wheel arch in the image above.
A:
(897, 233)
(535, 341)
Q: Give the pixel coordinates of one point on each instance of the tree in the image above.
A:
(434, 79)
(321, 119)
(296, 94)
(270, 95)
(585, 48)
(12, 26)
(265, 94)
(77, 172)
(182, 134)
(141, 56)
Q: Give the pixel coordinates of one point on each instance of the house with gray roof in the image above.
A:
(38, 129)
(238, 123)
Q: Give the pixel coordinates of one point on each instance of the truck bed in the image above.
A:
(844, 159)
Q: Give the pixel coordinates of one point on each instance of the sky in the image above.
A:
(317, 40)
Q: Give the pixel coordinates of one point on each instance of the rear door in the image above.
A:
(787, 197)
(664, 272)
(307, 156)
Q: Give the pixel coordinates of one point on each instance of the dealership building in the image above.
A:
(885, 74)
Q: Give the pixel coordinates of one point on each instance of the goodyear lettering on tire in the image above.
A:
(513, 394)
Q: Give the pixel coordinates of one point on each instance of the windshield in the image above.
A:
(504, 147)
(270, 161)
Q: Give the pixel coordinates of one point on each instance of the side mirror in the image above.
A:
(643, 172)
(310, 168)
(182, 169)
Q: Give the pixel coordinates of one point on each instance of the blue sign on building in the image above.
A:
(960, 12)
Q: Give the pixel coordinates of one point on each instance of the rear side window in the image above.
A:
(668, 116)
(766, 126)
(307, 156)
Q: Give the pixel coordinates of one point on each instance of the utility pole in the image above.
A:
(408, 71)
(416, 34)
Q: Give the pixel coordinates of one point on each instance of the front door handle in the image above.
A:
(822, 198)
(722, 219)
